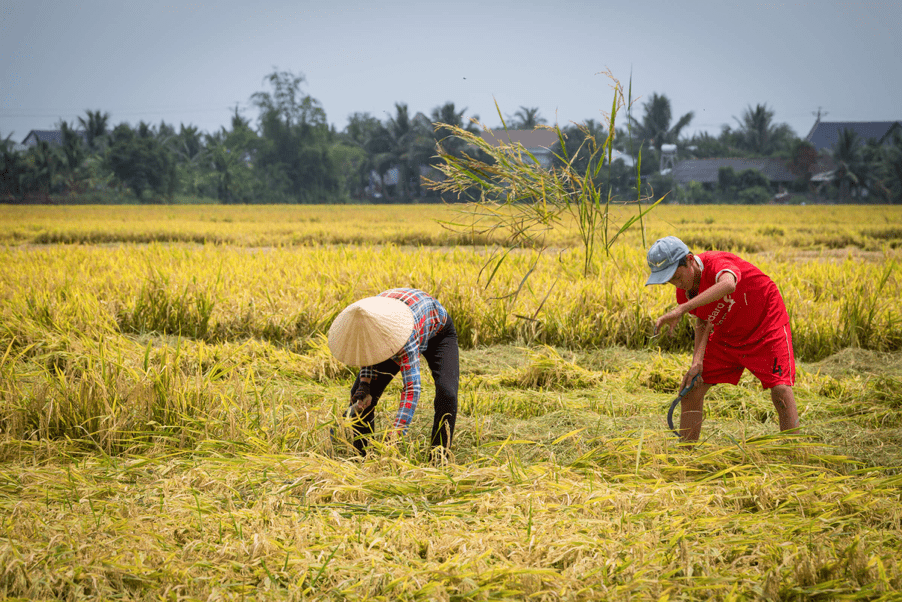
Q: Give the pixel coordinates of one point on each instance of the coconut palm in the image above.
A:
(527, 118)
(889, 170)
(41, 166)
(445, 116)
(851, 168)
(759, 134)
(190, 142)
(95, 128)
(403, 143)
(655, 127)
(72, 150)
(12, 165)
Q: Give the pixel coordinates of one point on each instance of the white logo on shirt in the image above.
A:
(727, 302)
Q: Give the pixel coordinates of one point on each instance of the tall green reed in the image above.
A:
(524, 201)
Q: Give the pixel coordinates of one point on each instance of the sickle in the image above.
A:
(677, 401)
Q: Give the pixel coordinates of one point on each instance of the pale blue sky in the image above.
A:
(192, 62)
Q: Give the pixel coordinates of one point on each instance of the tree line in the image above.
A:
(292, 155)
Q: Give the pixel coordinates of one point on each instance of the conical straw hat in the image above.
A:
(370, 331)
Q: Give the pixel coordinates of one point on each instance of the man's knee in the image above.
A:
(782, 394)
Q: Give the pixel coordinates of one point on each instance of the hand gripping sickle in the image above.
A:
(360, 400)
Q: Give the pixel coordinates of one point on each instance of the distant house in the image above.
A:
(51, 137)
(824, 134)
(707, 171)
(538, 142)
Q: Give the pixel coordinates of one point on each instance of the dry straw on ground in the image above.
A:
(166, 410)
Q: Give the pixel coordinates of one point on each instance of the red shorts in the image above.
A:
(769, 358)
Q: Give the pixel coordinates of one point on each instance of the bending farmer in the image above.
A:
(386, 334)
(741, 324)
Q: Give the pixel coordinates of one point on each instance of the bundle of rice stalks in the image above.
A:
(546, 369)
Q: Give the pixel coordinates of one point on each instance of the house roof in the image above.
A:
(706, 170)
(824, 134)
(52, 137)
(530, 139)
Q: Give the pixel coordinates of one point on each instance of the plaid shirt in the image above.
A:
(429, 317)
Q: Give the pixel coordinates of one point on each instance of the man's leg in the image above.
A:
(772, 361)
(785, 403)
(691, 414)
(443, 356)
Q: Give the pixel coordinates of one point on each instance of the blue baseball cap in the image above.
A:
(663, 258)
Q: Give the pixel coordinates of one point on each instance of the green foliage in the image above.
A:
(727, 180)
(352, 154)
(749, 178)
(141, 161)
(749, 186)
(351, 162)
(889, 170)
(295, 155)
(705, 146)
(852, 170)
(12, 168)
(95, 126)
(660, 185)
(695, 193)
(402, 143)
(754, 195)
(41, 165)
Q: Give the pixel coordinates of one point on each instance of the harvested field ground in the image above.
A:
(166, 408)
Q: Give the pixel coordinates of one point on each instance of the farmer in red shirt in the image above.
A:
(741, 324)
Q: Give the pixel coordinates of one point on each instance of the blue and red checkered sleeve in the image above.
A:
(409, 360)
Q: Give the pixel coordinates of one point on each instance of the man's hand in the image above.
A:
(360, 399)
(670, 320)
(690, 374)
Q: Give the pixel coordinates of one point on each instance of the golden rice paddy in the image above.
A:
(170, 416)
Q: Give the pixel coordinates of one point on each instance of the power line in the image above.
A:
(49, 112)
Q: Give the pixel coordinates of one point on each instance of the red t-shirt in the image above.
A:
(755, 306)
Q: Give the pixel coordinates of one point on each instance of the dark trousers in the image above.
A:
(443, 357)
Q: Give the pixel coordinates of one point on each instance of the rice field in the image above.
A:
(170, 415)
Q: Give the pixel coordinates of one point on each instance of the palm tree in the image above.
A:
(12, 165)
(527, 118)
(41, 163)
(360, 129)
(851, 169)
(190, 143)
(890, 170)
(402, 143)
(655, 127)
(225, 163)
(95, 127)
(448, 115)
(71, 151)
(758, 132)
